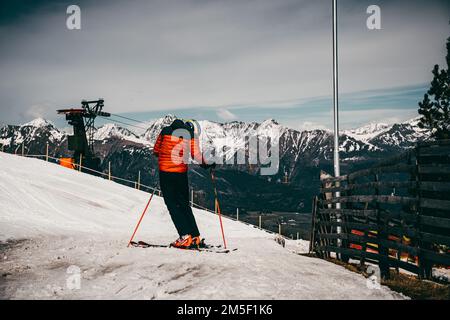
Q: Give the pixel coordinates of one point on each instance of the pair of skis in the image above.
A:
(204, 247)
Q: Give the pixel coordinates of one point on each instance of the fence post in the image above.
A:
(109, 170)
(81, 161)
(237, 214)
(260, 224)
(139, 180)
(383, 252)
(279, 228)
(313, 225)
(46, 152)
(23, 150)
(424, 267)
(297, 235)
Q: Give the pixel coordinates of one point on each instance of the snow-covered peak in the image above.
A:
(155, 127)
(36, 129)
(168, 119)
(38, 123)
(111, 130)
(367, 132)
(269, 123)
(270, 128)
(404, 134)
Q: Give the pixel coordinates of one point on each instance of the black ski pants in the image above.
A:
(175, 189)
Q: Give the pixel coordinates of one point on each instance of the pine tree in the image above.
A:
(435, 105)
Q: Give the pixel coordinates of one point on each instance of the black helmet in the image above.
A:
(177, 124)
(189, 125)
(193, 126)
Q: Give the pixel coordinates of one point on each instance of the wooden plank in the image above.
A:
(410, 232)
(435, 221)
(395, 159)
(438, 258)
(371, 185)
(400, 215)
(435, 204)
(434, 169)
(351, 225)
(349, 212)
(435, 186)
(363, 213)
(360, 239)
(380, 170)
(393, 230)
(371, 198)
(408, 168)
(433, 158)
(357, 253)
(435, 238)
(334, 179)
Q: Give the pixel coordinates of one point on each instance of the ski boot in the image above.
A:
(184, 242)
(198, 242)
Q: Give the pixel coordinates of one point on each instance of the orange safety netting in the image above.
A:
(373, 247)
(67, 162)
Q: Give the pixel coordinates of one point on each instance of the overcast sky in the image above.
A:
(220, 60)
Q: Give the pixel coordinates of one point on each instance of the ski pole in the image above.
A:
(218, 207)
(142, 216)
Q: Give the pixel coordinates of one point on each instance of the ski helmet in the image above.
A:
(193, 125)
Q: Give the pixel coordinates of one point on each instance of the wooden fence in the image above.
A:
(395, 214)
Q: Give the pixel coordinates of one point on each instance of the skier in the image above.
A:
(173, 147)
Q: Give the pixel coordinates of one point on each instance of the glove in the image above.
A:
(208, 166)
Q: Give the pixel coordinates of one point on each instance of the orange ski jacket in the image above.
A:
(174, 146)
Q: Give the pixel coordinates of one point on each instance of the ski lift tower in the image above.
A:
(82, 141)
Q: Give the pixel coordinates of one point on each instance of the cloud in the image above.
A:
(37, 111)
(166, 55)
(308, 125)
(389, 116)
(226, 115)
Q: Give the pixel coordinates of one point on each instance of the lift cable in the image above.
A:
(127, 118)
(124, 123)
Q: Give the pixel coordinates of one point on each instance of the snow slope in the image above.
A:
(55, 218)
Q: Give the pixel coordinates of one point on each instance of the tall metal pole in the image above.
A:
(337, 171)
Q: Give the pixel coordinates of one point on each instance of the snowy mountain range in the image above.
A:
(373, 137)
(302, 155)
